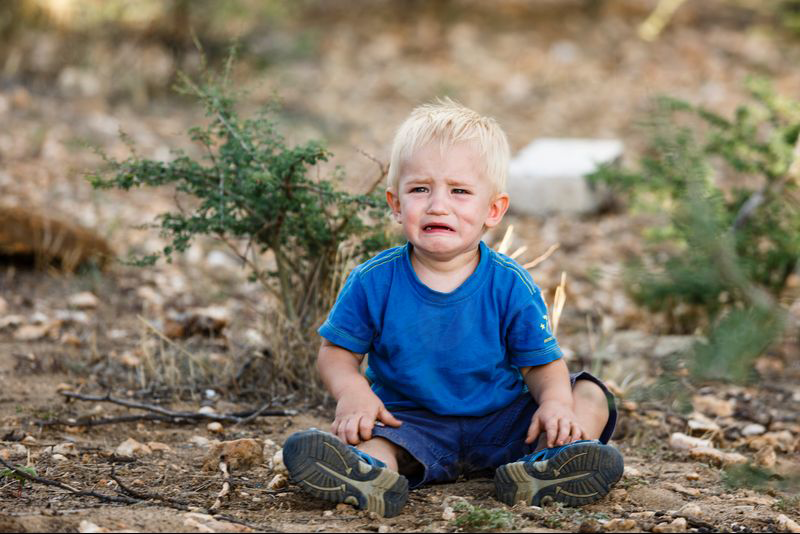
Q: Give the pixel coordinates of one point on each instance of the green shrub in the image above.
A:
(729, 189)
(255, 193)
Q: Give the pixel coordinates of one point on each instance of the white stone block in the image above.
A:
(548, 175)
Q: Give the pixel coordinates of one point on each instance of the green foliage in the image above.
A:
(476, 518)
(15, 475)
(730, 241)
(255, 193)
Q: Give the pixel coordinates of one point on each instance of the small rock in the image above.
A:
(84, 300)
(279, 481)
(200, 441)
(215, 427)
(28, 439)
(327, 513)
(239, 454)
(692, 492)
(59, 457)
(63, 386)
(207, 410)
(753, 429)
(784, 441)
(618, 524)
(710, 405)
(343, 507)
(700, 424)
(67, 449)
(129, 359)
(719, 458)
(156, 446)
(692, 476)
(766, 457)
(785, 524)
(629, 471)
(677, 525)
(130, 448)
(32, 332)
(691, 510)
(11, 320)
(383, 529)
(277, 463)
(681, 441)
(448, 514)
(70, 339)
(618, 495)
(87, 527)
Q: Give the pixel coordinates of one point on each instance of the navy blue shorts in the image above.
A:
(449, 446)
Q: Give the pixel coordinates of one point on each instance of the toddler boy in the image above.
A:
(464, 372)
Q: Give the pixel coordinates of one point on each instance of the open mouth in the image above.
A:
(437, 227)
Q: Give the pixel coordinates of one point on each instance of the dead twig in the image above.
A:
(74, 491)
(172, 503)
(174, 416)
(88, 420)
(540, 259)
(226, 486)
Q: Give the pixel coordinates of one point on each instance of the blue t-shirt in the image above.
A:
(454, 353)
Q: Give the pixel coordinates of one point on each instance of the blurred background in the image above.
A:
(74, 74)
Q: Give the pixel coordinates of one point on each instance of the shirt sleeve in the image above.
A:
(529, 338)
(348, 324)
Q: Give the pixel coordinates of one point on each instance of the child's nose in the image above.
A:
(437, 204)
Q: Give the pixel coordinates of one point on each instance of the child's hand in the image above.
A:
(356, 413)
(557, 421)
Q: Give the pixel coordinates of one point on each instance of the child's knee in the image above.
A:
(586, 392)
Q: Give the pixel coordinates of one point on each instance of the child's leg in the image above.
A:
(394, 456)
(382, 449)
(591, 407)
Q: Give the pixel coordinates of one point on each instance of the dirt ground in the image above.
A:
(582, 75)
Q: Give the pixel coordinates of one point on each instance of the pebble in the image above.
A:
(681, 441)
(691, 510)
(327, 513)
(59, 457)
(448, 514)
(206, 410)
(709, 454)
(631, 472)
(677, 525)
(277, 463)
(785, 524)
(766, 457)
(618, 495)
(215, 427)
(649, 514)
(84, 300)
(618, 524)
(383, 529)
(343, 507)
(692, 492)
(753, 429)
(65, 449)
(692, 476)
(279, 481)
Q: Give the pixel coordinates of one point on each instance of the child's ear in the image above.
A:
(394, 203)
(497, 209)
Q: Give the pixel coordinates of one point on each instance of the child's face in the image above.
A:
(444, 201)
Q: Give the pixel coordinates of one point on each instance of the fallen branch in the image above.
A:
(174, 416)
(87, 420)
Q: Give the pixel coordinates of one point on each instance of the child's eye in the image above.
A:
(419, 189)
(458, 191)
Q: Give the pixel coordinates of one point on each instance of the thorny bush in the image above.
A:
(730, 187)
(256, 194)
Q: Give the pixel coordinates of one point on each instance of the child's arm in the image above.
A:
(357, 407)
(550, 386)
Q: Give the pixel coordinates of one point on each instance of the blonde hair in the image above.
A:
(449, 122)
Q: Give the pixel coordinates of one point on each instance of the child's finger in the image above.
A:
(351, 430)
(534, 430)
(551, 428)
(386, 417)
(564, 428)
(365, 428)
(577, 432)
